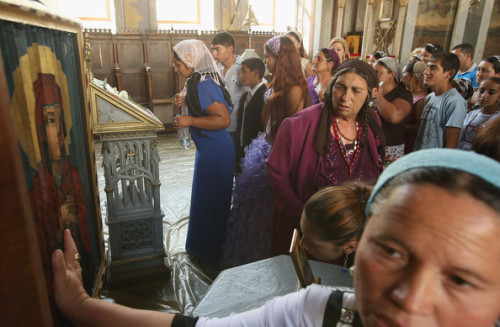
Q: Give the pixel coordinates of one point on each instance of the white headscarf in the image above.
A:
(195, 54)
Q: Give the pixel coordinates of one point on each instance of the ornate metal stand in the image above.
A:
(131, 171)
(134, 217)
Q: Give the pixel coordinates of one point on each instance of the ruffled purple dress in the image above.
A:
(249, 230)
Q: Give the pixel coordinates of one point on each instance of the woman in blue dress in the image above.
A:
(248, 236)
(208, 105)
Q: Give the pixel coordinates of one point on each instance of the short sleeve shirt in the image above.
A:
(446, 110)
(209, 92)
(394, 133)
(235, 88)
(473, 123)
(470, 75)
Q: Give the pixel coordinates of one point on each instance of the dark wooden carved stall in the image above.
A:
(141, 63)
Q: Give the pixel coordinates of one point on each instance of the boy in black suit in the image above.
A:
(251, 104)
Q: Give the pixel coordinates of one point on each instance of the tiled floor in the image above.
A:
(188, 283)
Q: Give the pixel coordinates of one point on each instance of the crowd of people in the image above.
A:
(302, 149)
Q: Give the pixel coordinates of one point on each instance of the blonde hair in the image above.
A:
(344, 44)
(416, 53)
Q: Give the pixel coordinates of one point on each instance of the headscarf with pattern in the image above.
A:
(195, 54)
(274, 44)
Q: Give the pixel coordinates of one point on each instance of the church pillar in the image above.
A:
(340, 17)
(459, 23)
(399, 28)
(483, 30)
(368, 29)
(409, 30)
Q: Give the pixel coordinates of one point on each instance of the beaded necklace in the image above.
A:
(339, 137)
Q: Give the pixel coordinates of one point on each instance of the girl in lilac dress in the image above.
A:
(249, 226)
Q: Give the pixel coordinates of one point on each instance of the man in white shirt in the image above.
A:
(230, 67)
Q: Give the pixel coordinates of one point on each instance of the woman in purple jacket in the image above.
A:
(330, 143)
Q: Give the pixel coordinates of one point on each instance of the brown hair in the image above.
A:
(338, 212)
(487, 140)
(296, 36)
(287, 73)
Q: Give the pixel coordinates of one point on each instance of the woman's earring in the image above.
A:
(345, 269)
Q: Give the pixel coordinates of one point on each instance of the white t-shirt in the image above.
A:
(473, 123)
(235, 88)
(303, 308)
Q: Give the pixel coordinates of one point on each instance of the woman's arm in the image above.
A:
(218, 118)
(393, 112)
(83, 310)
(452, 135)
(211, 100)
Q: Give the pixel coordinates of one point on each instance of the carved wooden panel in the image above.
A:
(258, 41)
(240, 42)
(158, 50)
(206, 37)
(142, 64)
(103, 57)
(130, 58)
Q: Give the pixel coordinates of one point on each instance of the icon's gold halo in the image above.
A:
(38, 59)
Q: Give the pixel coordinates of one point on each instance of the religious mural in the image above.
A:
(43, 73)
(434, 22)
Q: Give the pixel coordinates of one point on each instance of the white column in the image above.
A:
(340, 18)
(399, 28)
(459, 23)
(367, 29)
(317, 30)
(409, 30)
(483, 30)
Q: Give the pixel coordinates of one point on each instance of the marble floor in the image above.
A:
(188, 282)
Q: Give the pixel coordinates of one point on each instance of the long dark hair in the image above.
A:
(287, 73)
(366, 115)
(192, 101)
